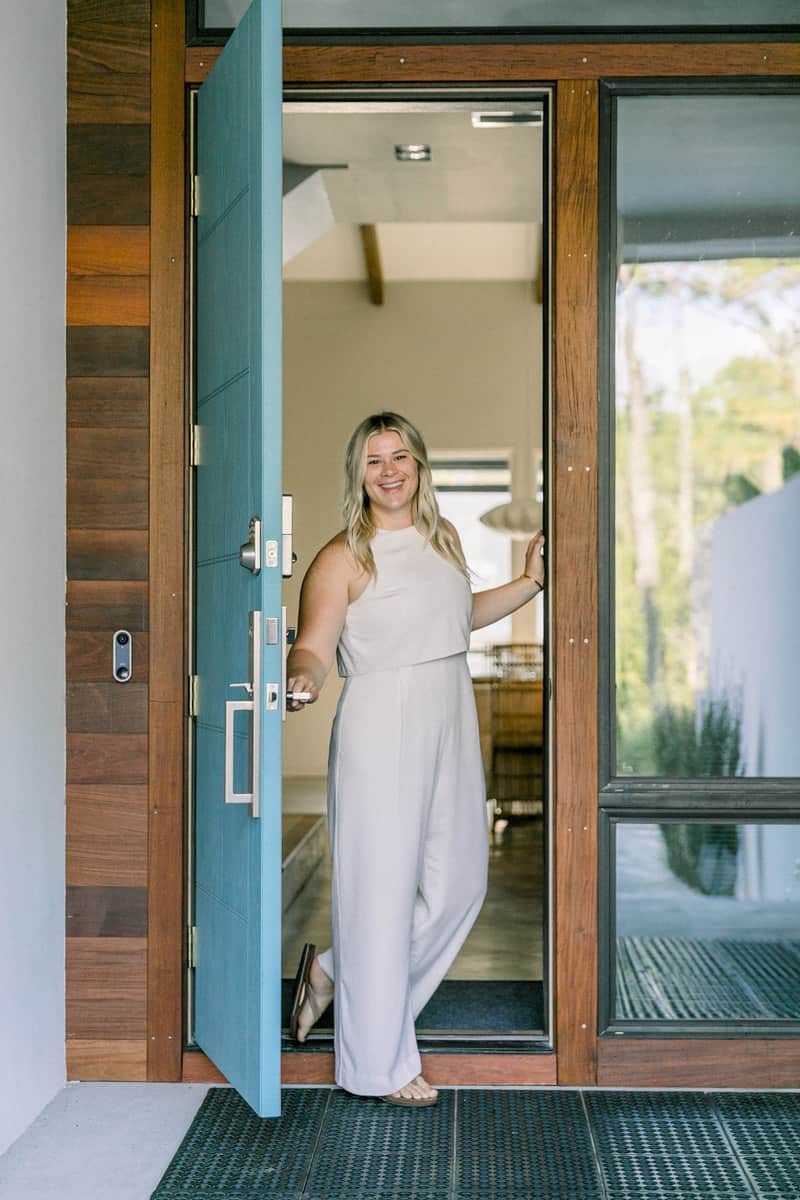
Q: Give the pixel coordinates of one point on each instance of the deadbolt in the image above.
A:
(250, 551)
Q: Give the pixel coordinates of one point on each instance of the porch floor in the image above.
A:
(104, 1141)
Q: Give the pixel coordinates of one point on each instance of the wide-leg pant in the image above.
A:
(409, 844)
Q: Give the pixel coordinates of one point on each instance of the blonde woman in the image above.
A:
(390, 597)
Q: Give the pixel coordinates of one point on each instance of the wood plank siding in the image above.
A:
(108, 339)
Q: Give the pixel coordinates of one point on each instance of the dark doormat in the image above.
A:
(493, 1144)
(466, 1005)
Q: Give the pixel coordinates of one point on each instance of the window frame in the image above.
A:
(643, 791)
(609, 1025)
(649, 799)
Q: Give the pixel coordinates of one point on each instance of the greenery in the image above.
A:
(707, 418)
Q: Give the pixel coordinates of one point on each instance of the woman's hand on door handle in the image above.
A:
(300, 683)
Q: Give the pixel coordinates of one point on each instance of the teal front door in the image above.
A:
(238, 627)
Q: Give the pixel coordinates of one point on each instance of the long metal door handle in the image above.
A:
(231, 708)
(252, 706)
(284, 656)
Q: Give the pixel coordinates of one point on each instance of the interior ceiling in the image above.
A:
(473, 175)
(469, 213)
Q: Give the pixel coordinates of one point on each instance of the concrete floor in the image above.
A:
(507, 940)
(100, 1141)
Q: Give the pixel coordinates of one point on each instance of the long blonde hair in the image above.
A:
(360, 526)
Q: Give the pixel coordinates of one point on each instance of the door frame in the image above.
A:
(582, 1057)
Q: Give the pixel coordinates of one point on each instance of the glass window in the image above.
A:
(537, 14)
(707, 921)
(706, 437)
(466, 489)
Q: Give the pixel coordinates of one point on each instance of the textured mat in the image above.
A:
(493, 1144)
(707, 979)
(478, 1005)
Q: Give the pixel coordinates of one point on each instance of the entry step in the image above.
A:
(303, 837)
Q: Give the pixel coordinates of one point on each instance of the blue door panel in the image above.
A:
(223, 351)
(238, 306)
(224, 509)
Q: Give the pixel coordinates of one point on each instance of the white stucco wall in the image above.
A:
(755, 647)
(32, 553)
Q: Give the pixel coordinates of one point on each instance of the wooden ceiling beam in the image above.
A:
(372, 258)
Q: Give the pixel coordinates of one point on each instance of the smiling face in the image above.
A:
(390, 480)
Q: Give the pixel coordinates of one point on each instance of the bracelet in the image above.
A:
(532, 580)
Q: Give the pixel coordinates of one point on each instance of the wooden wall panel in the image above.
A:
(107, 835)
(106, 911)
(106, 987)
(106, 554)
(106, 758)
(108, 300)
(108, 348)
(108, 67)
(101, 402)
(107, 503)
(106, 1060)
(108, 199)
(91, 604)
(573, 579)
(108, 352)
(108, 150)
(107, 708)
(108, 250)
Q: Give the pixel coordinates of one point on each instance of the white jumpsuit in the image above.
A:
(406, 808)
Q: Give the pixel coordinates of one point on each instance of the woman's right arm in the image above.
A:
(323, 606)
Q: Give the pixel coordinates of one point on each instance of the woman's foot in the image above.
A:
(417, 1093)
(319, 993)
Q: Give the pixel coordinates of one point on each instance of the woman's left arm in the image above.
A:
(495, 603)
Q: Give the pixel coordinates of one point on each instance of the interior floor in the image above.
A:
(495, 982)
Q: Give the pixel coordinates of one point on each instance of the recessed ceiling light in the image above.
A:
(412, 152)
(500, 120)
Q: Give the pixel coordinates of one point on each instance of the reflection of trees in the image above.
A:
(688, 449)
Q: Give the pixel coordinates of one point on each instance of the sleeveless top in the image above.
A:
(417, 608)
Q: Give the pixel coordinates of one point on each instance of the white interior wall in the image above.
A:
(32, 551)
(463, 361)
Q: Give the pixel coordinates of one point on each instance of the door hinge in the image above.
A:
(192, 695)
(195, 200)
(191, 946)
(194, 446)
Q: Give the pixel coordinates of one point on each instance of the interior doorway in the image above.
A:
(415, 280)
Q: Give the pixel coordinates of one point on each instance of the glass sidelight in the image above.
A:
(706, 436)
(700, 922)
(707, 920)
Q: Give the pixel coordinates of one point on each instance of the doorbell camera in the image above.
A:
(122, 656)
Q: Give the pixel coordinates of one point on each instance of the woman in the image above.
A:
(390, 597)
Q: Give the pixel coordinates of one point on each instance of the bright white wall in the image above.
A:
(32, 553)
(755, 647)
(755, 627)
(463, 361)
